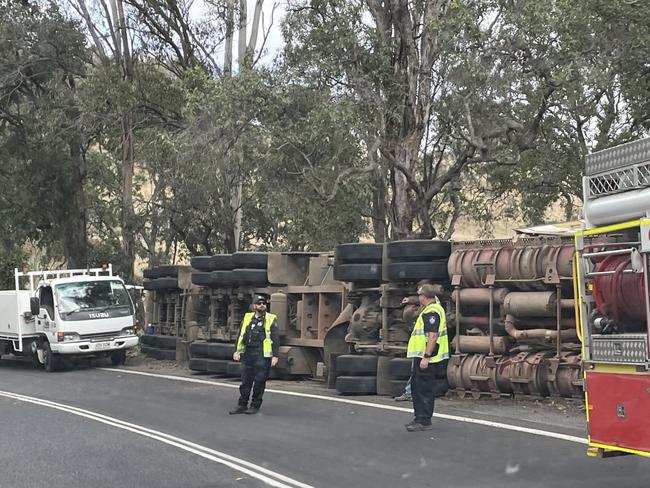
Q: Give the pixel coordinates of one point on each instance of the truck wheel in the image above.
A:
(234, 369)
(357, 272)
(213, 263)
(118, 358)
(50, 360)
(400, 368)
(253, 277)
(199, 349)
(356, 364)
(418, 270)
(254, 260)
(359, 385)
(418, 250)
(356, 253)
(220, 350)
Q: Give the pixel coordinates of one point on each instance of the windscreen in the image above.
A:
(93, 300)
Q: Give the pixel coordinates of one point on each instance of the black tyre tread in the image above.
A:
(357, 272)
(202, 278)
(220, 350)
(161, 284)
(219, 366)
(198, 364)
(163, 342)
(147, 340)
(218, 262)
(213, 279)
(159, 353)
(163, 271)
(418, 250)
(397, 387)
(254, 277)
(357, 253)
(251, 260)
(400, 368)
(233, 369)
(199, 349)
(356, 385)
(418, 270)
(356, 365)
(118, 358)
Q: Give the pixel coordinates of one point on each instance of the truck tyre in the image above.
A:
(36, 364)
(51, 361)
(213, 279)
(253, 277)
(397, 387)
(358, 253)
(218, 262)
(219, 350)
(199, 349)
(356, 365)
(159, 353)
(198, 364)
(161, 284)
(254, 260)
(418, 250)
(202, 263)
(161, 272)
(202, 278)
(219, 366)
(400, 368)
(356, 385)
(233, 369)
(147, 340)
(164, 342)
(118, 358)
(418, 270)
(363, 272)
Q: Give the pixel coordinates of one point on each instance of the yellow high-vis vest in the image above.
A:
(267, 344)
(417, 345)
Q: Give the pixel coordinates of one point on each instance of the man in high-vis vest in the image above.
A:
(257, 349)
(428, 345)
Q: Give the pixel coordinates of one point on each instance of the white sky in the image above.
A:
(272, 10)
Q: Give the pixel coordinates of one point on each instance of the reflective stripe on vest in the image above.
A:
(417, 345)
(267, 344)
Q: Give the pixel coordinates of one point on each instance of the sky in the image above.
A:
(272, 10)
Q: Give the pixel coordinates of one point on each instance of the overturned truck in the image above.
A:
(510, 313)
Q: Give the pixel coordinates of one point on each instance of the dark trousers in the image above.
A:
(422, 381)
(255, 372)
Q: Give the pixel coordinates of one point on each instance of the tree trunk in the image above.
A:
(75, 242)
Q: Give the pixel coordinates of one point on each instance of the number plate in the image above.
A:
(102, 345)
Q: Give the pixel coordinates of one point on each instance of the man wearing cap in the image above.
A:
(257, 349)
(427, 345)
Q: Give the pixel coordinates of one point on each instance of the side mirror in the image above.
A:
(34, 306)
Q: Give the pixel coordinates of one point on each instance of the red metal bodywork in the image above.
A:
(619, 409)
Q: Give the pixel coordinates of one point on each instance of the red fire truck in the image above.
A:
(611, 267)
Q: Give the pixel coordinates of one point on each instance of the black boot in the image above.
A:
(252, 411)
(238, 410)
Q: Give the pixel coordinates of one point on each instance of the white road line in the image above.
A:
(487, 423)
(265, 475)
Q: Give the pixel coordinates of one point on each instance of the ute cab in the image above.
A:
(71, 314)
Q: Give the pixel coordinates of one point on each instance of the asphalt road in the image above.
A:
(295, 441)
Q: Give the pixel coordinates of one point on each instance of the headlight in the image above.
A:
(71, 337)
(127, 331)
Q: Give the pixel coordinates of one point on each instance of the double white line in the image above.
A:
(245, 467)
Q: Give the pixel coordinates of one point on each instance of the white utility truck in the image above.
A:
(67, 313)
